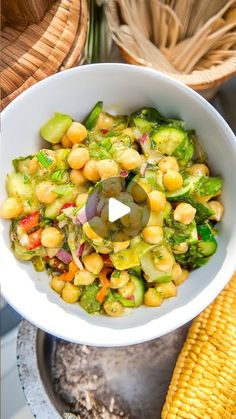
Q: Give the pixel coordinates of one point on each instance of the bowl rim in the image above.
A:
(141, 333)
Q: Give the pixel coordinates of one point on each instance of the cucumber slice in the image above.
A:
(193, 233)
(22, 164)
(53, 209)
(151, 273)
(142, 124)
(132, 183)
(207, 248)
(168, 139)
(184, 151)
(138, 290)
(18, 187)
(125, 259)
(54, 129)
(91, 119)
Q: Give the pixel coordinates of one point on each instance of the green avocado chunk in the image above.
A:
(88, 298)
(151, 273)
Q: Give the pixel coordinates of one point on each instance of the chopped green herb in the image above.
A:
(43, 159)
(58, 175)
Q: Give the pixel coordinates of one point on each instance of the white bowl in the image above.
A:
(126, 88)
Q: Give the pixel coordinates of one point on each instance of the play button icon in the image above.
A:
(116, 210)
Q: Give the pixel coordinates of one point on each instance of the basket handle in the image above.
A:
(23, 12)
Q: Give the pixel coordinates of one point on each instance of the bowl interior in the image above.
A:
(123, 89)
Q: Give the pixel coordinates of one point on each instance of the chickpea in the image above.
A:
(107, 168)
(77, 177)
(167, 289)
(176, 271)
(139, 191)
(93, 263)
(51, 237)
(134, 218)
(104, 213)
(157, 201)
(104, 121)
(152, 235)
(120, 245)
(76, 133)
(90, 233)
(11, 208)
(130, 159)
(65, 142)
(168, 163)
(165, 261)
(84, 277)
(198, 169)
(81, 199)
(78, 157)
(218, 209)
(172, 180)
(70, 293)
(112, 188)
(113, 308)
(57, 284)
(127, 290)
(180, 248)
(98, 226)
(33, 165)
(182, 277)
(184, 213)
(153, 298)
(119, 279)
(45, 192)
(90, 171)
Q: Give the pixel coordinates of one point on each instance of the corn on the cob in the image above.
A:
(204, 380)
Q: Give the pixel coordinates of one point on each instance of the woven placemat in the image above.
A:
(39, 50)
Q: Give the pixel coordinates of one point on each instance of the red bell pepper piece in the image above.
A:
(30, 221)
(68, 205)
(34, 239)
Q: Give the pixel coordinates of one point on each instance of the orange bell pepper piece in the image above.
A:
(100, 297)
(69, 276)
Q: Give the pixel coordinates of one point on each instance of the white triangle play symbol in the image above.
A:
(116, 209)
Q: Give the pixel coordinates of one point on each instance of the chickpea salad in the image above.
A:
(117, 270)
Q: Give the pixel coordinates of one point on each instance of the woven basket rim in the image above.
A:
(198, 79)
(59, 42)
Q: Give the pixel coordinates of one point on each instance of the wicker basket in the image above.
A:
(134, 39)
(36, 51)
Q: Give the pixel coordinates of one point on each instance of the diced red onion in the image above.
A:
(144, 138)
(62, 223)
(80, 249)
(143, 169)
(64, 256)
(91, 207)
(81, 215)
(124, 173)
